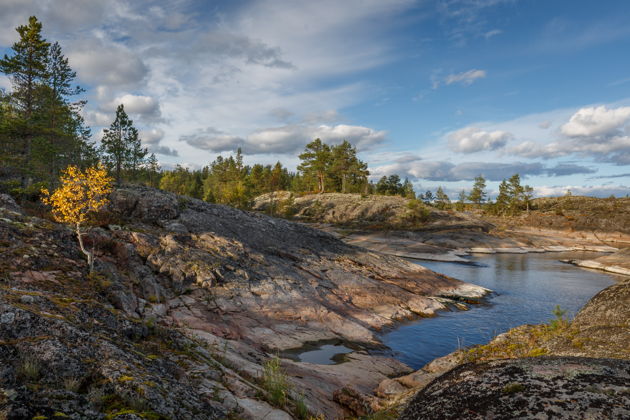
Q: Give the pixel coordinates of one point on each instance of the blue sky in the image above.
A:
(438, 91)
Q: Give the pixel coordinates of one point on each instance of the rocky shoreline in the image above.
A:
(231, 288)
(191, 300)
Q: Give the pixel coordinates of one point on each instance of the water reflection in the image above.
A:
(527, 286)
(325, 352)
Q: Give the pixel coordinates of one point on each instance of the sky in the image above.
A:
(437, 91)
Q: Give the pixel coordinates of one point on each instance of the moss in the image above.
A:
(513, 388)
(125, 378)
(537, 352)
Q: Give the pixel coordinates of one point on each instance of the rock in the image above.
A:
(618, 262)
(239, 284)
(389, 387)
(256, 410)
(359, 404)
(557, 387)
(7, 202)
(27, 299)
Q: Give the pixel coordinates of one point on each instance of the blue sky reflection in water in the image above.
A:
(527, 286)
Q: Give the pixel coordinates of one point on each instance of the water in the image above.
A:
(325, 352)
(527, 286)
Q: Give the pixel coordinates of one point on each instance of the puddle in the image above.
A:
(320, 353)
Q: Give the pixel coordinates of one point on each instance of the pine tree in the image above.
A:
(515, 194)
(316, 162)
(502, 202)
(461, 203)
(528, 194)
(428, 197)
(66, 134)
(153, 169)
(442, 200)
(120, 146)
(407, 190)
(346, 170)
(477, 194)
(27, 69)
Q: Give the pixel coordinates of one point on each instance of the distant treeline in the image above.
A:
(322, 168)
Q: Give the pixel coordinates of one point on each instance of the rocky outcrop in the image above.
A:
(188, 301)
(557, 387)
(617, 263)
(374, 212)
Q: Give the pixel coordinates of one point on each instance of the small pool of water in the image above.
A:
(327, 352)
(527, 288)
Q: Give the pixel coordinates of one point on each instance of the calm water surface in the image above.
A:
(527, 288)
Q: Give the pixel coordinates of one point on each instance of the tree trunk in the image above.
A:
(90, 255)
(320, 178)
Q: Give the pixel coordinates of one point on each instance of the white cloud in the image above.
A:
(596, 121)
(152, 136)
(492, 33)
(544, 124)
(97, 118)
(5, 83)
(143, 106)
(287, 139)
(466, 78)
(473, 139)
(592, 190)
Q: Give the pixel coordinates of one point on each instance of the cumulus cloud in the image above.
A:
(599, 132)
(596, 121)
(473, 139)
(284, 139)
(143, 106)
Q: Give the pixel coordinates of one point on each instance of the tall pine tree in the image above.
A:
(120, 146)
(316, 162)
(27, 69)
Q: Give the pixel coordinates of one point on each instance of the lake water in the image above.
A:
(527, 288)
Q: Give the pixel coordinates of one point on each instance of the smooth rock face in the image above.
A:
(238, 287)
(556, 387)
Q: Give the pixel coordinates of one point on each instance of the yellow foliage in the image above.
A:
(80, 193)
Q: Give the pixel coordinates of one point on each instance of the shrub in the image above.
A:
(274, 381)
(560, 321)
(29, 369)
(417, 212)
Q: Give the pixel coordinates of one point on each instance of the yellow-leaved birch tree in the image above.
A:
(80, 194)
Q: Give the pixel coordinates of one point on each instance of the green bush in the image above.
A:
(417, 212)
(274, 381)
